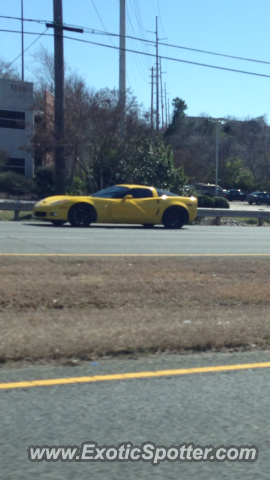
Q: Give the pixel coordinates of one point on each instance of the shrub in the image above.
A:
(221, 202)
(16, 184)
(44, 182)
(79, 187)
(212, 202)
(206, 202)
(253, 221)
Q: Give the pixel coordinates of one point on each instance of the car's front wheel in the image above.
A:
(175, 217)
(259, 202)
(81, 215)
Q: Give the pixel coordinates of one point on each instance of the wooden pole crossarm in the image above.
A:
(61, 27)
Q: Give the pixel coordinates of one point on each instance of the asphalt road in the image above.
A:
(41, 238)
(229, 408)
(208, 409)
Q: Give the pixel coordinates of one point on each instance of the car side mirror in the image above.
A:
(127, 197)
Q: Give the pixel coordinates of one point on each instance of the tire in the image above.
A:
(175, 217)
(250, 203)
(258, 202)
(58, 223)
(81, 215)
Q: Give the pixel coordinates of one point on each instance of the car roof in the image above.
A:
(133, 186)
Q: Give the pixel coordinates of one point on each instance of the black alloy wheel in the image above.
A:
(175, 217)
(81, 215)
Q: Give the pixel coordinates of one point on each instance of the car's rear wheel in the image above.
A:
(259, 202)
(175, 217)
(58, 223)
(81, 215)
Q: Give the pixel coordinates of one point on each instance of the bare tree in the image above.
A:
(8, 71)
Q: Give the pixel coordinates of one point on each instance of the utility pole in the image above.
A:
(168, 106)
(22, 42)
(166, 116)
(152, 98)
(122, 68)
(216, 178)
(161, 94)
(59, 124)
(157, 78)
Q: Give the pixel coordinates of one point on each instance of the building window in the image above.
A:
(16, 165)
(11, 119)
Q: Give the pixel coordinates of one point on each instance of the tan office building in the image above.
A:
(17, 126)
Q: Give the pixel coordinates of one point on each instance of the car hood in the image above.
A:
(55, 198)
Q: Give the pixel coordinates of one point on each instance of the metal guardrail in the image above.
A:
(218, 213)
(17, 206)
(27, 206)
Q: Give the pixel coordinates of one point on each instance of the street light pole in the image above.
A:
(216, 182)
(217, 121)
(22, 41)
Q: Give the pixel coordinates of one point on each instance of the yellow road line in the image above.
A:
(128, 376)
(134, 254)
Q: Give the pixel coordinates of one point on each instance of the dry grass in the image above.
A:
(8, 215)
(57, 307)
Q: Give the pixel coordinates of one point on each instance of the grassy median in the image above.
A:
(55, 308)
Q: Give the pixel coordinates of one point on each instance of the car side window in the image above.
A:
(140, 192)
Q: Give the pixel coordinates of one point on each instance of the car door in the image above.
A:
(141, 207)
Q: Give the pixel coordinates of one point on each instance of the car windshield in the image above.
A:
(111, 192)
(165, 192)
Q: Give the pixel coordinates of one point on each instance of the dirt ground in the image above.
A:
(82, 308)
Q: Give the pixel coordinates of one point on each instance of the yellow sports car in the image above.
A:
(132, 204)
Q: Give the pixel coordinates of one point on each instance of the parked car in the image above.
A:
(119, 204)
(208, 189)
(258, 198)
(234, 194)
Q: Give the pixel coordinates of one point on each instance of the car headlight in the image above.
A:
(58, 202)
(38, 204)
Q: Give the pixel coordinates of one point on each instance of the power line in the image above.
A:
(160, 17)
(25, 19)
(138, 63)
(106, 31)
(136, 11)
(7, 66)
(99, 32)
(101, 21)
(174, 59)
(192, 49)
(149, 54)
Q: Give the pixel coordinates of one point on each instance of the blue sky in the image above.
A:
(232, 27)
